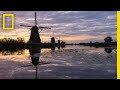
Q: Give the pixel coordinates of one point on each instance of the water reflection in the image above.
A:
(108, 50)
(35, 59)
(52, 48)
(73, 61)
(10, 52)
(58, 47)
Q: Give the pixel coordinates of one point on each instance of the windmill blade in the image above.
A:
(42, 63)
(36, 73)
(44, 27)
(26, 26)
(26, 65)
(35, 20)
(40, 30)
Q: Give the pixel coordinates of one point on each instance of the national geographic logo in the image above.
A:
(11, 22)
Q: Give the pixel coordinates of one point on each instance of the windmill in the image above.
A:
(61, 42)
(35, 37)
(59, 39)
(53, 39)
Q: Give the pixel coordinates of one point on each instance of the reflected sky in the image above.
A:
(80, 62)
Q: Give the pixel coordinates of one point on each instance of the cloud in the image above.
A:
(70, 24)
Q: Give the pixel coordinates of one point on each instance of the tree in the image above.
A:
(20, 39)
(108, 39)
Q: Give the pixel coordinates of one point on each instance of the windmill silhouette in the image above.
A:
(53, 39)
(35, 37)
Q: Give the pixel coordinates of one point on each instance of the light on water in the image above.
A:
(71, 62)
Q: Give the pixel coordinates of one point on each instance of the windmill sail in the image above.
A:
(35, 20)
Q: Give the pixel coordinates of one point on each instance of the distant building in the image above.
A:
(52, 40)
(58, 41)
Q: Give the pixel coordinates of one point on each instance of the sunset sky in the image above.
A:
(71, 26)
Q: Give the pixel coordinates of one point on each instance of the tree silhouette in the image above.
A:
(108, 39)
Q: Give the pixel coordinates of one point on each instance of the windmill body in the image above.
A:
(34, 37)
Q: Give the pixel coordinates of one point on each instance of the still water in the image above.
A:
(71, 62)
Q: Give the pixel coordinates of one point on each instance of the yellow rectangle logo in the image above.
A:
(118, 44)
(4, 23)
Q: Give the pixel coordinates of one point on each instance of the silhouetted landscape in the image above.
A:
(82, 46)
(19, 43)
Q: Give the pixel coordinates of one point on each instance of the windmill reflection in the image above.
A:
(35, 59)
(58, 47)
(53, 48)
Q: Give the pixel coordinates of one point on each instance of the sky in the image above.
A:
(70, 26)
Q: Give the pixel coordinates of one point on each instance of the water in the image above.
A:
(71, 62)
